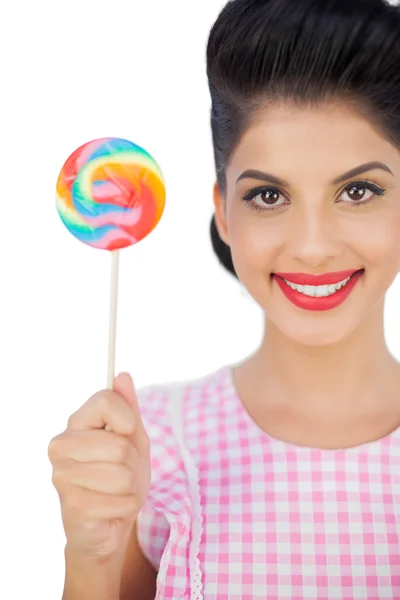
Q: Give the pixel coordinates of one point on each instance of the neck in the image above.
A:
(357, 375)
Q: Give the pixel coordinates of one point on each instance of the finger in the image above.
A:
(92, 446)
(101, 477)
(105, 408)
(123, 385)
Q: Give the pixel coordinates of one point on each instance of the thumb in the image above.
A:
(123, 386)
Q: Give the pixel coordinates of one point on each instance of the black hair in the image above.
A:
(304, 51)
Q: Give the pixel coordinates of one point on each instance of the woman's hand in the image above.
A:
(101, 471)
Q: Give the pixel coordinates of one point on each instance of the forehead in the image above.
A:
(322, 141)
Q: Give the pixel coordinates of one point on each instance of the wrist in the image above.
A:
(91, 578)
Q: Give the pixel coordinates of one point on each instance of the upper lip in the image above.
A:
(324, 279)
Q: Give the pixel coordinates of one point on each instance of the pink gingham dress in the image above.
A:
(234, 514)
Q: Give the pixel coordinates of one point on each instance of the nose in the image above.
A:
(314, 238)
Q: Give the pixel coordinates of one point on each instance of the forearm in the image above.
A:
(90, 580)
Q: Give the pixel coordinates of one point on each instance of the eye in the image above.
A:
(265, 198)
(361, 193)
(355, 194)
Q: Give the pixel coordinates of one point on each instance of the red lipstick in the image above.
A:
(306, 302)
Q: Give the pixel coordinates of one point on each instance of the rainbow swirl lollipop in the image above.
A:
(110, 193)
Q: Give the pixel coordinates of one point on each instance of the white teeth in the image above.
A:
(322, 291)
(318, 291)
(309, 290)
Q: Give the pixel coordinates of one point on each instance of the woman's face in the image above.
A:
(305, 215)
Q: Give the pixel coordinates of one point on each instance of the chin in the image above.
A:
(320, 338)
(318, 330)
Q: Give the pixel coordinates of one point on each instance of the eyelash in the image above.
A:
(366, 185)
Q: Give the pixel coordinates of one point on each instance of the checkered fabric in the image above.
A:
(278, 522)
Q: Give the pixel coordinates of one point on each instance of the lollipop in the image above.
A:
(110, 195)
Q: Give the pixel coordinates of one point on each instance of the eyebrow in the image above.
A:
(261, 176)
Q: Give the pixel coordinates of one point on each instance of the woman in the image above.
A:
(278, 477)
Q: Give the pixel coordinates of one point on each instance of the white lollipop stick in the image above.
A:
(112, 335)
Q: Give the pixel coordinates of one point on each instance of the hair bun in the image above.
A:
(222, 251)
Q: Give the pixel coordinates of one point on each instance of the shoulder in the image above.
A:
(184, 421)
(169, 412)
(158, 403)
(180, 414)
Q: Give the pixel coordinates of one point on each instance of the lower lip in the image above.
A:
(318, 304)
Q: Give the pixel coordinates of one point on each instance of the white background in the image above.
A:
(71, 72)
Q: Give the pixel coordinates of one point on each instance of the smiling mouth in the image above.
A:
(320, 291)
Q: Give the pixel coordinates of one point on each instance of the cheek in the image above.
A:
(255, 240)
(375, 238)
